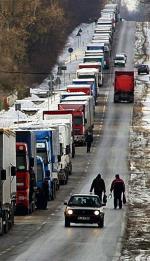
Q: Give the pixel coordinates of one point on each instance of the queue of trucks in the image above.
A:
(36, 155)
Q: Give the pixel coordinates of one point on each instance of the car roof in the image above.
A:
(120, 54)
(143, 65)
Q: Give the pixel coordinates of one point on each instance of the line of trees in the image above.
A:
(32, 34)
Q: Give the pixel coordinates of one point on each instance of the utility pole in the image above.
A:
(50, 89)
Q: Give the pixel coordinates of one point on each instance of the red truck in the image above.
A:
(79, 121)
(26, 175)
(23, 176)
(79, 88)
(124, 86)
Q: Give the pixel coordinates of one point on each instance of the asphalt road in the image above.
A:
(43, 236)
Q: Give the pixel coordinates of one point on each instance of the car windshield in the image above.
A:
(119, 58)
(84, 201)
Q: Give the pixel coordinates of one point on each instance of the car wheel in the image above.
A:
(101, 223)
(67, 223)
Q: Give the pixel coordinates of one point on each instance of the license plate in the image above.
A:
(83, 218)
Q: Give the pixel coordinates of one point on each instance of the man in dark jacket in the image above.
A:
(98, 185)
(118, 188)
(89, 140)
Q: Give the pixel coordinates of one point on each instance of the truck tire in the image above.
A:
(6, 226)
(53, 196)
(1, 226)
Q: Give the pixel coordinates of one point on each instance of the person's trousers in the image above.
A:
(100, 196)
(117, 200)
(88, 146)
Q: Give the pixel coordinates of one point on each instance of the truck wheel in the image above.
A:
(6, 226)
(1, 227)
(53, 196)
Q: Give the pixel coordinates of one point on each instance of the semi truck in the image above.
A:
(85, 122)
(85, 73)
(76, 90)
(26, 174)
(7, 179)
(95, 65)
(65, 141)
(91, 81)
(42, 185)
(66, 116)
(124, 86)
(44, 149)
(95, 58)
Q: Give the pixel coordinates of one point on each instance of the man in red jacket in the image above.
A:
(118, 188)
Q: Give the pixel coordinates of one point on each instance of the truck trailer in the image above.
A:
(124, 86)
(7, 179)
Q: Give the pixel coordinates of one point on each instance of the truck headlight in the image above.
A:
(70, 212)
(96, 212)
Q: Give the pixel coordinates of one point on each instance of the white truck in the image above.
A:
(64, 124)
(88, 102)
(7, 179)
(90, 73)
(65, 141)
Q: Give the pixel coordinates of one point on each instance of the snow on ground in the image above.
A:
(136, 241)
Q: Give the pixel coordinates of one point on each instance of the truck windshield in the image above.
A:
(78, 120)
(21, 162)
(83, 76)
(39, 172)
(43, 154)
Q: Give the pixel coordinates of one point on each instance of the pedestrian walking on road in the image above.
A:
(89, 140)
(118, 188)
(98, 185)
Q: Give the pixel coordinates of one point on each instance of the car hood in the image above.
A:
(101, 209)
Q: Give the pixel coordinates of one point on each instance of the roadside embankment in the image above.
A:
(137, 235)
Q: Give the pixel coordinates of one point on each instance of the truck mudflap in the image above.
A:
(55, 177)
(69, 166)
(6, 219)
(63, 177)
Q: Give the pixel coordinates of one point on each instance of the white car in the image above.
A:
(120, 60)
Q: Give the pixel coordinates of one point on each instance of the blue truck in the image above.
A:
(45, 149)
(42, 185)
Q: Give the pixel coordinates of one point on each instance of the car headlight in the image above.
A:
(70, 212)
(96, 212)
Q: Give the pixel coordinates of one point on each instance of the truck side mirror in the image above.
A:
(31, 162)
(85, 120)
(3, 174)
(13, 171)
